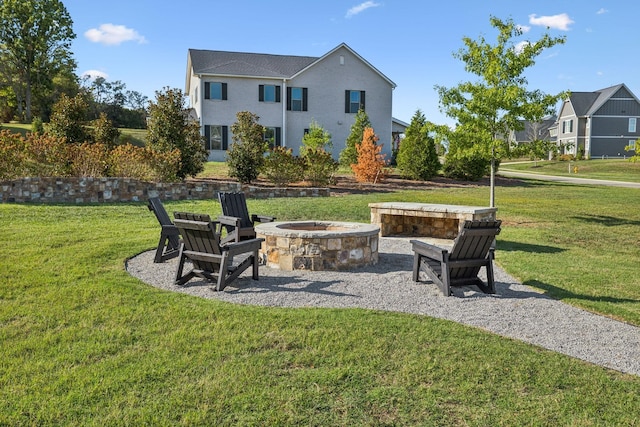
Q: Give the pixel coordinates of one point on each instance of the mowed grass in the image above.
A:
(133, 136)
(84, 343)
(615, 170)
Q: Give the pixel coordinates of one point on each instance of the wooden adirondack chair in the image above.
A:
(169, 244)
(235, 217)
(212, 261)
(472, 249)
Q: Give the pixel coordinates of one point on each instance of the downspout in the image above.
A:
(284, 112)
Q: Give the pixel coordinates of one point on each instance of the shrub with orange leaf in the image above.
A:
(371, 164)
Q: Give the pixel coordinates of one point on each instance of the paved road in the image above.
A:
(568, 179)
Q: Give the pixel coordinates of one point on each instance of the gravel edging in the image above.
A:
(515, 311)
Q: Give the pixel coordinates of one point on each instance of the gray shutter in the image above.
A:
(347, 100)
(304, 99)
(207, 90)
(288, 98)
(225, 137)
(207, 137)
(224, 91)
(278, 142)
(278, 96)
(362, 100)
(261, 93)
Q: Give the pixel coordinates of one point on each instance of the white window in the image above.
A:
(567, 126)
(215, 137)
(632, 144)
(268, 93)
(632, 124)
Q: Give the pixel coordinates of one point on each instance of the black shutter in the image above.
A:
(288, 99)
(362, 100)
(278, 96)
(261, 93)
(207, 137)
(278, 137)
(207, 90)
(224, 91)
(225, 137)
(304, 99)
(347, 100)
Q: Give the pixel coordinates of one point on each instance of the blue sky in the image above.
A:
(144, 43)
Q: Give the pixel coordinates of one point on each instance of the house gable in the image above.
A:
(301, 89)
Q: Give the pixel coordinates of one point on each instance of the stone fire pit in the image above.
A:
(318, 245)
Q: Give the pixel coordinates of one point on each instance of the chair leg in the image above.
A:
(255, 265)
(180, 279)
(416, 266)
(445, 285)
(222, 274)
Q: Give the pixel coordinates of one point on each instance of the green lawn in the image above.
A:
(84, 343)
(132, 136)
(615, 170)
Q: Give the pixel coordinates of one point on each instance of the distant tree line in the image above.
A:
(37, 67)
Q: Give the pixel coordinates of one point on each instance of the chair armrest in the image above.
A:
(229, 220)
(429, 251)
(170, 230)
(242, 247)
(262, 218)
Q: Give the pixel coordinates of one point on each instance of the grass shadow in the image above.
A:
(511, 246)
(560, 294)
(607, 221)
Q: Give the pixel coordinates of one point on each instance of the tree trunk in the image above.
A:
(492, 201)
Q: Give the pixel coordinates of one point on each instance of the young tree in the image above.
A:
(317, 138)
(104, 132)
(170, 127)
(68, 119)
(245, 157)
(35, 39)
(489, 108)
(370, 165)
(349, 154)
(417, 157)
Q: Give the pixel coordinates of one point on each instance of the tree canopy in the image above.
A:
(487, 109)
(171, 127)
(35, 41)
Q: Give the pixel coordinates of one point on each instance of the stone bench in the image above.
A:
(425, 219)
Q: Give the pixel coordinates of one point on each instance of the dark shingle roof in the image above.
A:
(542, 128)
(214, 62)
(585, 103)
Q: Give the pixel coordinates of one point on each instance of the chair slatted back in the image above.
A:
(235, 204)
(473, 242)
(199, 235)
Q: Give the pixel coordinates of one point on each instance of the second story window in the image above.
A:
(215, 90)
(297, 98)
(268, 93)
(567, 126)
(353, 101)
(632, 124)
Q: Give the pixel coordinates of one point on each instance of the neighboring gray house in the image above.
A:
(599, 124)
(287, 93)
(533, 131)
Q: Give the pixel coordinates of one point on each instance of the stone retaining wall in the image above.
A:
(107, 190)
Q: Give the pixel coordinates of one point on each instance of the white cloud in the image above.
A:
(94, 74)
(559, 22)
(361, 8)
(602, 11)
(524, 28)
(599, 73)
(110, 34)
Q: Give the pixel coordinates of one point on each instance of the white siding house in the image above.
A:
(287, 93)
